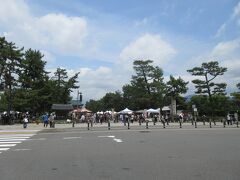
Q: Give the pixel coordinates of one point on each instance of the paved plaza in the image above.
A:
(120, 153)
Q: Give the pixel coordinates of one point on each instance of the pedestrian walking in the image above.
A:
(45, 120)
(25, 121)
(74, 119)
(167, 119)
(181, 119)
(228, 119)
(51, 121)
(83, 118)
(155, 119)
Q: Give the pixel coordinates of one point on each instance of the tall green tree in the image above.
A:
(60, 75)
(202, 104)
(113, 101)
(63, 85)
(238, 86)
(94, 105)
(208, 71)
(206, 86)
(147, 87)
(32, 79)
(175, 87)
(219, 106)
(108, 102)
(34, 73)
(10, 68)
(236, 97)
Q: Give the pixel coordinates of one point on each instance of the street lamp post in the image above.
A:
(173, 104)
(195, 116)
(236, 118)
(79, 99)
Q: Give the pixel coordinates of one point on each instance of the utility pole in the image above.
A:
(77, 98)
(80, 98)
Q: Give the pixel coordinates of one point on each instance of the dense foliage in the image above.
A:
(147, 89)
(26, 84)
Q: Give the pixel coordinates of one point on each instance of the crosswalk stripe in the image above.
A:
(9, 139)
(2, 140)
(4, 149)
(22, 131)
(7, 145)
(16, 135)
(12, 142)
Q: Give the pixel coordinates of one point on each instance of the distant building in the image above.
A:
(62, 110)
(76, 104)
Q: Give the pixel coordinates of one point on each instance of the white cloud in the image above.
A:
(226, 49)
(48, 57)
(148, 46)
(142, 22)
(13, 12)
(236, 11)
(65, 33)
(221, 30)
(228, 55)
(229, 26)
(59, 32)
(95, 83)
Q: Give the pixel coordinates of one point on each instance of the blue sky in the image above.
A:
(101, 38)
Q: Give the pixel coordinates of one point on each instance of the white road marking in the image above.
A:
(7, 145)
(39, 139)
(12, 142)
(108, 136)
(24, 130)
(72, 137)
(2, 140)
(4, 149)
(118, 140)
(21, 149)
(113, 137)
(15, 137)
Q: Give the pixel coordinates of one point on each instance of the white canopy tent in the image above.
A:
(125, 111)
(166, 108)
(153, 111)
(100, 112)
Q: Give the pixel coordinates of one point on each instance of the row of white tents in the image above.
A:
(128, 111)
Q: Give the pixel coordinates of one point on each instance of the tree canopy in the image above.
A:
(209, 71)
(27, 86)
(25, 82)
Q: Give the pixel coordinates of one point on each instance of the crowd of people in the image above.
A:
(49, 119)
(165, 118)
(115, 117)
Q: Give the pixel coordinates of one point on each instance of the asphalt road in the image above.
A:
(152, 154)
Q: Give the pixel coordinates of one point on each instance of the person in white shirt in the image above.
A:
(25, 121)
